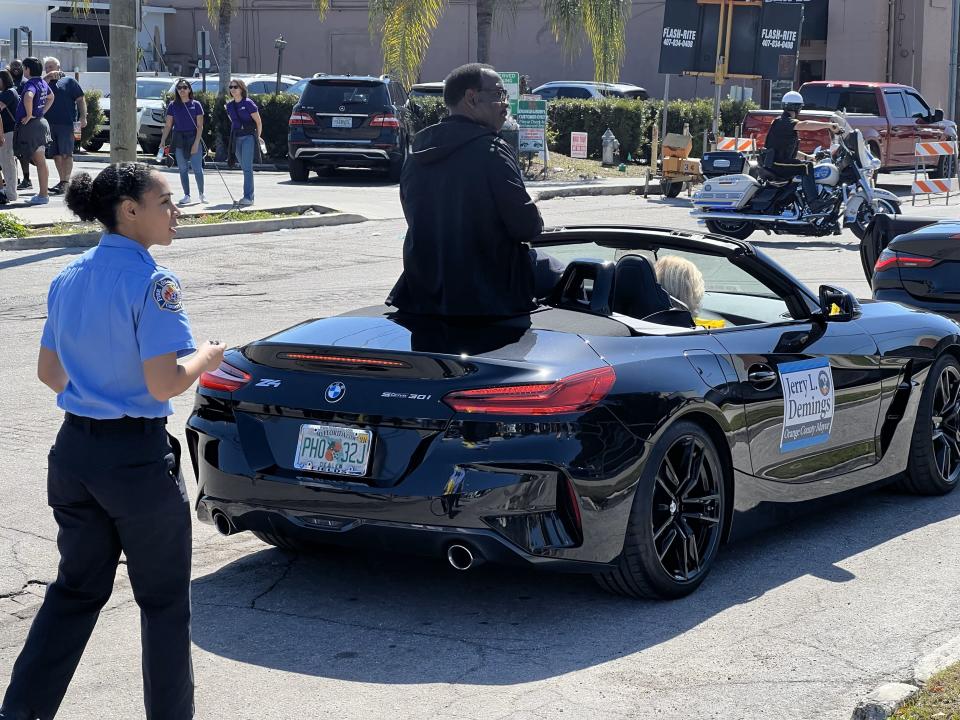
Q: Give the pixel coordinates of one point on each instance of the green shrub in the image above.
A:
(632, 122)
(629, 120)
(274, 114)
(426, 111)
(95, 116)
(11, 226)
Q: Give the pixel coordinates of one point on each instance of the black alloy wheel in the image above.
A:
(946, 167)
(934, 464)
(677, 519)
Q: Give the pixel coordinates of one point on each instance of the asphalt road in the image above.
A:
(795, 623)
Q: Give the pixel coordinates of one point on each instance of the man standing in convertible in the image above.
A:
(468, 213)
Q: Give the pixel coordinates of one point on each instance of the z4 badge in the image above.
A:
(267, 382)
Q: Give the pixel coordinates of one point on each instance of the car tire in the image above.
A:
(150, 148)
(679, 506)
(933, 467)
(299, 172)
(93, 145)
(733, 229)
(670, 189)
(946, 168)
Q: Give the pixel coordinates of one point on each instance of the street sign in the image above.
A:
(578, 145)
(532, 119)
(511, 83)
(203, 43)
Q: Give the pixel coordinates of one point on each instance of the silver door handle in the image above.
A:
(762, 377)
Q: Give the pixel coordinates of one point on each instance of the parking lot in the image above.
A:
(795, 623)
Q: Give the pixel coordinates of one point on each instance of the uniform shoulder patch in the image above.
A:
(166, 293)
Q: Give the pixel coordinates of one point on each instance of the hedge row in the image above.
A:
(95, 116)
(632, 122)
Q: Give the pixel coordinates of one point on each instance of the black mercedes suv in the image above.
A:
(349, 121)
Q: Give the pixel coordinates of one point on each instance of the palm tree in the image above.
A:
(405, 27)
(221, 13)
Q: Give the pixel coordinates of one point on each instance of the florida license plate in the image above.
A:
(342, 122)
(333, 449)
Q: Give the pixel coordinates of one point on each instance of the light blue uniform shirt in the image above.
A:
(107, 312)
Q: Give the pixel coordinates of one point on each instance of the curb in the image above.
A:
(240, 227)
(882, 701)
(591, 191)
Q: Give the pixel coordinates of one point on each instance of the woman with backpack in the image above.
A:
(245, 132)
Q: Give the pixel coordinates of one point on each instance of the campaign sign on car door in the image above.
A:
(807, 403)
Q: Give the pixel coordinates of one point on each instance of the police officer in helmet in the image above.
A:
(784, 142)
(114, 349)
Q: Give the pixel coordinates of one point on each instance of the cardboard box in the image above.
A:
(677, 145)
(690, 167)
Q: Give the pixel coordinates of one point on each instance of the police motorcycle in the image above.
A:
(737, 204)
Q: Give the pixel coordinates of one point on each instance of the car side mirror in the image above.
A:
(838, 305)
(937, 115)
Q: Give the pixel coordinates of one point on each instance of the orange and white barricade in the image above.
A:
(923, 184)
(737, 144)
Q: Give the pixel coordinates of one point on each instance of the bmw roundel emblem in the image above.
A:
(335, 392)
(342, 108)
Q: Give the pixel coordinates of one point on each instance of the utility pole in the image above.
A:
(123, 80)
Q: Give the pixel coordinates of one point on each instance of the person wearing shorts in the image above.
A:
(69, 106)
(33, 132)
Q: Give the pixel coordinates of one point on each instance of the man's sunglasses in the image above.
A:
(499, 94)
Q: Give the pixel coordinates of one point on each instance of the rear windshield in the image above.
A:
(328, 96)
(821, 97)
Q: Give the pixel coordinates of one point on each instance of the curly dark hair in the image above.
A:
(98, 198)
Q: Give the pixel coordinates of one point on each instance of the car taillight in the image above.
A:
(574, 393)
(890, 259)
(301, 118)
(384, 121)
(225, 378)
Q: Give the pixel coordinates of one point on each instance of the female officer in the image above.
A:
(115, 329)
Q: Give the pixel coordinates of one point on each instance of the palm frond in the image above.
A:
(322, 7)
(605, 23)
(405, 27)
(80, 7)
(213, 11)
(565, 18)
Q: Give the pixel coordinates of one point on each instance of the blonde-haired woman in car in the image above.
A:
(681, 279)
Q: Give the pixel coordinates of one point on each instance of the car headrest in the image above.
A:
(572, 291)
(636, 291)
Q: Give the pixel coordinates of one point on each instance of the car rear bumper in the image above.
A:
(339, 155)
(516, 513)
(901, 296)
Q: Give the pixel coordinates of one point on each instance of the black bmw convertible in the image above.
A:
(626, 428)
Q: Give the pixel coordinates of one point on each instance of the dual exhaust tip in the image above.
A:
(462, 557)
(223, 523)
(459, 556)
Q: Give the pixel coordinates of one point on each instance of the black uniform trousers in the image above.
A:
(788, 171)
(114, 485)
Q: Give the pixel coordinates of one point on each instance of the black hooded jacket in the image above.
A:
(468, 216)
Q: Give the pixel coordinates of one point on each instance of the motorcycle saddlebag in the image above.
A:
(722, 162)
(727, 192)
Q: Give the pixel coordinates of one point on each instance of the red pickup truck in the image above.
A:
(892, 118)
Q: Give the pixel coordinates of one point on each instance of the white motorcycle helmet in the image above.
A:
(792, 101)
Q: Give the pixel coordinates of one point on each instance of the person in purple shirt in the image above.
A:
(185, 118)
(245, 132)
(33, 132)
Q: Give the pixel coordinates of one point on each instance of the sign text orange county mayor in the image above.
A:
(807, 403)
